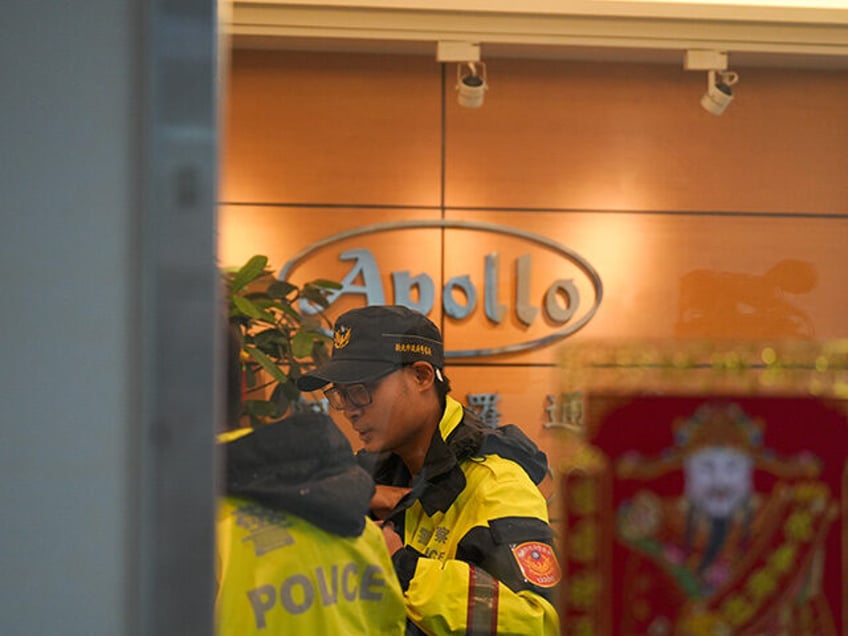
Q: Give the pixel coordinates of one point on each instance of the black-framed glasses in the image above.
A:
(357, 395)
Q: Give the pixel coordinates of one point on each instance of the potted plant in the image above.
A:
(279, 342)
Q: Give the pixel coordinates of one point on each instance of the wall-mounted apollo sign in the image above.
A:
(563, 307)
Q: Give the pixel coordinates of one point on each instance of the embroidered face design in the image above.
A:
(718, 480)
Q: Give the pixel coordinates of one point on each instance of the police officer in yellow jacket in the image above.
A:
(464, 518)
(296, 554)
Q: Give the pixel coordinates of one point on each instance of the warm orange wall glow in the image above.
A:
(698, 226)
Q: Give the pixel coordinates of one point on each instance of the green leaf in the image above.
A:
(249, 376)
(325, 284)
(291, 391)
(302, 344)
(316, 296)
(313, 323)
(319, 352)
(279, 342)
(261, 408)
(250, 309)
(249, 272)
(269, 338)
(280, 397)
(267, 364)
(257, 296)
(291, 312)
(280, 289)
(263, 302)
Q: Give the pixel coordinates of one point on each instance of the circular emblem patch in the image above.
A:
(538, 563)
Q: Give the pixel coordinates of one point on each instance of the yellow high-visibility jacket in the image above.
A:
(279, 574)
(478, 555)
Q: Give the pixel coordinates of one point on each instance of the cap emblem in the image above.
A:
(341, 337)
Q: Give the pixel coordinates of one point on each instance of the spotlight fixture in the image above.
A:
(471, 84)
(719, 80)
(719, 92)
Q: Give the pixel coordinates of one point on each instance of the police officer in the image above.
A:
(296, 553)
(464, 518)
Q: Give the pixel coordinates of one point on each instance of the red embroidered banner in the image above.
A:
(705, 515)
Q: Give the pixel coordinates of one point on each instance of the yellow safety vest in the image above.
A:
(281, 575)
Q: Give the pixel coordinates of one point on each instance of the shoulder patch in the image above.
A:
(538, 563)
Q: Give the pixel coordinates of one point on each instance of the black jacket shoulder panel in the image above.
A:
(481, 548)
(474, 438)
(510, 442)
(516, 529)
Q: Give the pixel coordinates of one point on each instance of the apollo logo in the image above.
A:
(501, 289)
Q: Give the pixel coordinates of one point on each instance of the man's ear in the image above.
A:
(425, 375)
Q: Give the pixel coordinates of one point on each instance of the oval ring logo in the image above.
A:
(565, 287)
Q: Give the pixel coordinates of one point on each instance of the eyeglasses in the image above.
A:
(357, 395)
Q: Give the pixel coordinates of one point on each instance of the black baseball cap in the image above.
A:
(371, 341)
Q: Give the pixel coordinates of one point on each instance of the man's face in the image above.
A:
(392, 422)
(718, 480)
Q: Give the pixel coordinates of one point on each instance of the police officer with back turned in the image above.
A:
(296, 553)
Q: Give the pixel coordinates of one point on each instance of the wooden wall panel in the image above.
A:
(726, 227)
(557, 134)
(282, 232)
(669, 276)
(664, 276)
(350, 129)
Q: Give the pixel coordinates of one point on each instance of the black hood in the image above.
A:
(303, 465)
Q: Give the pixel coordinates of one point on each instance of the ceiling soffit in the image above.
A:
(651, 32)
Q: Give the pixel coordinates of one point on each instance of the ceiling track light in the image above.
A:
(719, 80)
(471, 82)
(719, 92)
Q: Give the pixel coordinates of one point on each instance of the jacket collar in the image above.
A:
(441, 472)
(441, 479)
